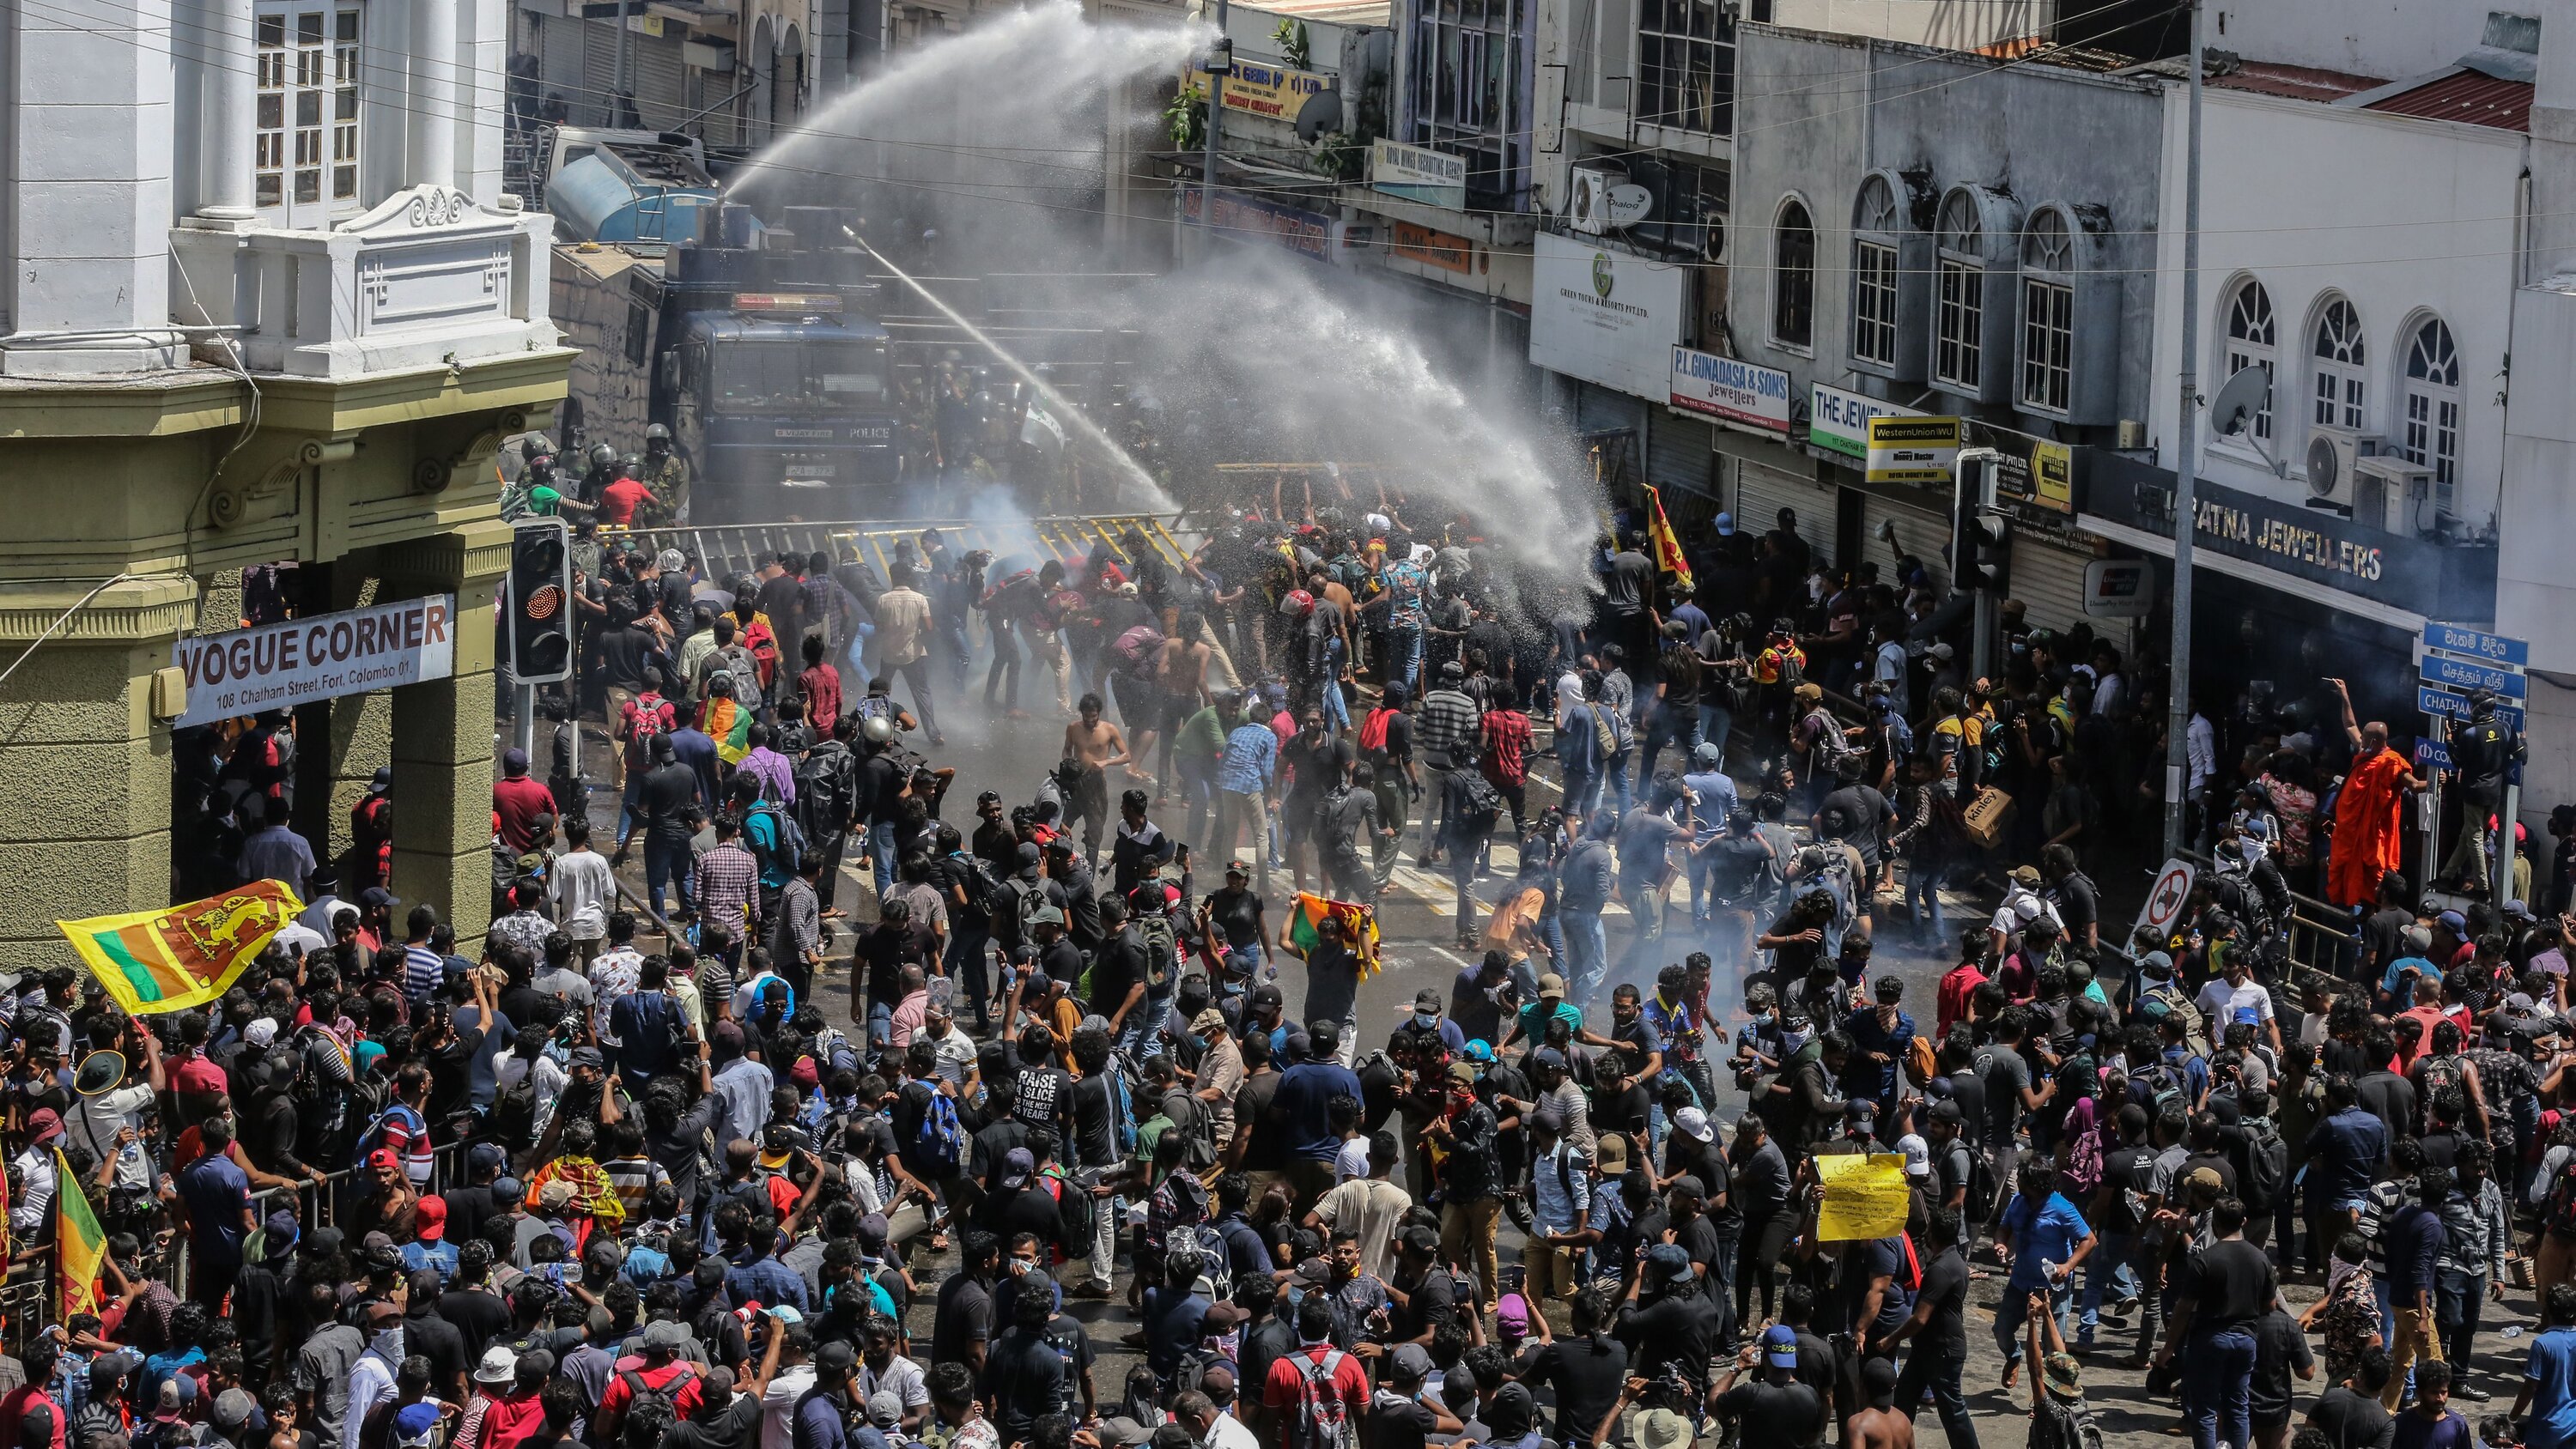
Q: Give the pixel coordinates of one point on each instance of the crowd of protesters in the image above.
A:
(843, 1119)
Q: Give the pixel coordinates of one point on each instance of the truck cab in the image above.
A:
(781, 402)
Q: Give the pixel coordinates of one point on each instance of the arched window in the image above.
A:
(1875, 222)
(2432, 433)
(2341, 385)
(2250, 343)
(1959, 295)
(1793, 276)
(2047, 311)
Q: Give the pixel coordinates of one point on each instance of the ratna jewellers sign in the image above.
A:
(2313, 544)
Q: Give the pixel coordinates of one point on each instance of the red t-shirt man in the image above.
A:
(519, 800)
(13, 1409)
(619, 500)
(1335, 1372)
(820, 683)
(637, 1368)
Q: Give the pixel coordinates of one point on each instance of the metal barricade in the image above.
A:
(727, 549)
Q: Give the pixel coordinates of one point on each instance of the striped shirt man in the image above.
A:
(424, 970)
(1447, 727)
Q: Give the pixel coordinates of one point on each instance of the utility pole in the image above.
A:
(2186, 464)
(1220, 64)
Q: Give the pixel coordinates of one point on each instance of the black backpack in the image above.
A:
(827, 789)
(787, 856)
(1484, 806)
(513, 1119)
(2267, 1165)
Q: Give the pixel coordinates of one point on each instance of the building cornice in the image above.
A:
(160, 405)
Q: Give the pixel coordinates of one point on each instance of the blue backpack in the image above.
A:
(942, 1140)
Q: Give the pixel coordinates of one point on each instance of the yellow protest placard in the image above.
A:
(1865, 1197)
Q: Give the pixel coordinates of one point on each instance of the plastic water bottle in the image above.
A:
(2513, 1330)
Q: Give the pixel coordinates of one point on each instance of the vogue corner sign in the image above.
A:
(279, 666)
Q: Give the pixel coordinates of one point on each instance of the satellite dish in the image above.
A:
(2240, 400)
(1322, 112)
(1628, 204)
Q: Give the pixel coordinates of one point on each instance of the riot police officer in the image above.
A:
(667, 475)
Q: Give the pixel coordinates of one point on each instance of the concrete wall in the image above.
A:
(2300, 197)
(2391, 39)
(1829, 109)
(1952, 24)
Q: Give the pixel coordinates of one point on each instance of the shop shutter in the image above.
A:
(2048, 578)
(559, 61)
(1762, 491)
(1921, 530)
(1601, 410)
(596, 104)
(661, 81)
(1681, 458)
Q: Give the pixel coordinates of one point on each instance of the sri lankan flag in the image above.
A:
(729, 725)
(1668, 548)
(170, 960)
(1359, 928)
(79, 1243)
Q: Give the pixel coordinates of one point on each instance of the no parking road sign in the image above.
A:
(2165, 899)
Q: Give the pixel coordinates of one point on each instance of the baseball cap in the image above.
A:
(1017, 1164)
(590, 1057)
(382, 1158)
(2026, 875)
(1780, 1346)
(378, 896)
(1725, 525)
(664, 1334)
(1611, 1152)
(1669, 1260)
(2457, 923)
(1463, 1073)
(429, 1218)
(233, 1409)
(261, 1032)
(1693, 1123)
(1551, 987)
(1410, 1363)
(486, 1155)
(1918, 1155)
(1426, 997)
(1708, 753)
(416, 1424)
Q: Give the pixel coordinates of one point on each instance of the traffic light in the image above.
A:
(1980, 539)
(538, 604)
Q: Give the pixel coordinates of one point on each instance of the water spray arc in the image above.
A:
(1058, 406)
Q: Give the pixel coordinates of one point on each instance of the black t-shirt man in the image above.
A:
(1586, 1371)
(1024, 1378)
(2280, 1352)
(1774, 1414)
(2230, 1284)
(1945, 1287)
(2351, 1419)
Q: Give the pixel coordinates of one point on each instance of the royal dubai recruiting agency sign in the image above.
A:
(1737, 394)
(279, 666)
(1418, 173)
(1605, 316)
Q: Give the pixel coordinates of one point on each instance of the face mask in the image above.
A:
(1427, 1020)
(389, 1343)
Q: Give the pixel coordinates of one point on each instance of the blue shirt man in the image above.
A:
(1304, 1099)
(2347, 1148)
(2046, 1231)
(1251, 756)
(217, 1194)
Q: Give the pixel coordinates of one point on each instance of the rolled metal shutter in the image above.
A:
(1681, 457)
(1762, 491)
(597, 103)
(661, 81)
(1921, 530)
(1601, 410)
(559, 61)
(2048, 578)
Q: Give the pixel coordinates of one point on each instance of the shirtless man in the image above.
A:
(1879, 1426)
(1184, 668)
(1097, 745)
(1325, 587)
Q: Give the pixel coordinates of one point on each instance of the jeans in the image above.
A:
(668, 864)
(2459, 1305)
(2013, 1311)
(2106, 1268)
(2218, 1379)
(1198, 794)
(1673, 724)
(969, 965)
(1937, 1369)
(1716, 722)
(1923, 894)
(1404, 657)
(881, 852)
(1005, 667)
(1587, 953)
(1618, 773)
(1462, 875)
(1142, 1036)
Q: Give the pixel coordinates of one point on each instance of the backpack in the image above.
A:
(1216, 1265)
(2267, 1165)
(368, 1136)
(1484, 808)
(1139, 644)
(982, 894)
(941, 1140)
(1323, 1420)
(2559, 1215)
(1373, 734)
(827, 790)
(787, 855)
(1012, 902)
(642, 1397)
(1162, 951)
(1922, 1063)
(2158, 1002)
(1122, 1110)
(2168, 1088)
(1075, 1213)
(2440, 1074)
(645, 723)
(1197, 1126)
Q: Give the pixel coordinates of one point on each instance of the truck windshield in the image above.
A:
(773, 374)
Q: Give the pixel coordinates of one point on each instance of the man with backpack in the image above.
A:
(1318, 1394)
(660, 1380)
(929, 1134)
(827, 803)
(1470, 808)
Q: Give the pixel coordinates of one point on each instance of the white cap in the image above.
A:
(1691, 1122)
(1918, 1155)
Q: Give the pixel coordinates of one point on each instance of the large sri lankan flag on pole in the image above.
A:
(1359, 928)
(1667, 545)
(78, 1243)
(170, 960)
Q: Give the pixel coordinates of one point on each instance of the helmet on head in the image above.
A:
(629, 464)
(1298, 604)
(535, 446)
(602, 455)
(656, 433)
(878, 729)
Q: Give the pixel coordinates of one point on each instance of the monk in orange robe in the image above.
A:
(2369, 829)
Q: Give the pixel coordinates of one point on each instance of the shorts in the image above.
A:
(1298, 820)
(1140, 701)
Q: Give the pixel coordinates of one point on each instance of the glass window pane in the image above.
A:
(348, 25)
(308, 28)
(308, 185)
(308, 108)
(271, 189)
(272, 30)
(272, 111)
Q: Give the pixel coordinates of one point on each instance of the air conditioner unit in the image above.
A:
(2393, 493)
(1712, 247)
(1590, 211)
(2333, 455)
